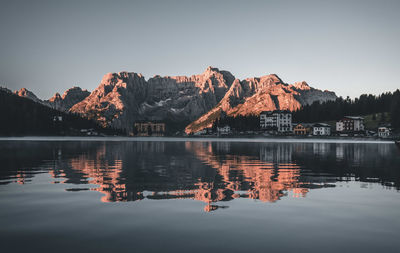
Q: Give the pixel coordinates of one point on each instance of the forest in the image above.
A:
(22, 116)
(331, 110)
(239, 123)
(363, 105)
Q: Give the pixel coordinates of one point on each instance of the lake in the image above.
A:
(198, 195)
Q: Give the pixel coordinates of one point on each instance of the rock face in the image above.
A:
(62, 103)
(126, 97)
(27, 94)
(254, 95)
(123, 98)
(68, 99)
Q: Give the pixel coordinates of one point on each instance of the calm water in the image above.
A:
(202, 196)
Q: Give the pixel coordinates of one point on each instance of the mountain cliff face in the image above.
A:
(254, 95)
(62, 103)
(126, 97)
(68, 99)
(23, 116)
(123, 98)
(27, 94)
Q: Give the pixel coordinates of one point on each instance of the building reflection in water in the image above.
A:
(267, 177)
(215, 172)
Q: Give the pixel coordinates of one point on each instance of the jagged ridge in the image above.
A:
(126, 97)
(62, 103)
(254, 95)
(123, 98)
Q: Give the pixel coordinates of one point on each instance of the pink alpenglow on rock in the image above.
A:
(195, 101)
(126, 97)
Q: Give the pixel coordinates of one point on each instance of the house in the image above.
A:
(204, 131)
(321, 129)
(350, 124)
(384, 132)
(302, 129)
(149, 128)
(277, 120)
(224, 130)
(89, 132)
(57, 118)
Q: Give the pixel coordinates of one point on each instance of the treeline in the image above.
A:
(22, 116)
(365, 104)
(239, 123)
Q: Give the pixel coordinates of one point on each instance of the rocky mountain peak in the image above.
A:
(301, 85)
(75, 91)
(55, 98)
(5, 90)
(210, 69)
(275, 78)
(254, 95)
(123, 98)
(111, 81)
(58, 102)
(23, 92)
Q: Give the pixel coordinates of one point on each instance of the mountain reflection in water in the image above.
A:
(211, 172)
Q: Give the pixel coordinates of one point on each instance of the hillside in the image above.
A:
(385, 107)
(123, 98)
(371, 121)
(254, 95)
(188, 103)
(23, 116)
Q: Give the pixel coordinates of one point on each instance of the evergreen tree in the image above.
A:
(135, 130)
(363, 105)
(395, 113)
(23, 116)
(382, 117)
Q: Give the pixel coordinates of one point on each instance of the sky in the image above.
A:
(350, 47)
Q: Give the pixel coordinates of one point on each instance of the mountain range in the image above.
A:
(24, 114)
(194, 102)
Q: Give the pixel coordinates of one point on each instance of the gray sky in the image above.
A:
(350, 47)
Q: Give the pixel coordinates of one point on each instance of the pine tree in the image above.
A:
(382, 117)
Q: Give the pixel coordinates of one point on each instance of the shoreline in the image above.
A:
(255, 139)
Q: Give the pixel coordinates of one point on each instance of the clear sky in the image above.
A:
(350, 47)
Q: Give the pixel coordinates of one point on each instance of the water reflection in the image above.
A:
(211, 172)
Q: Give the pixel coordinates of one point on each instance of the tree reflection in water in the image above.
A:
(212, 172)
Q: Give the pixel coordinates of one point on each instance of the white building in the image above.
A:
(321, 129)
(224, 130)
(350, 124)
(57, 118)
(89, 131)
(384, 132)
(280, 121)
